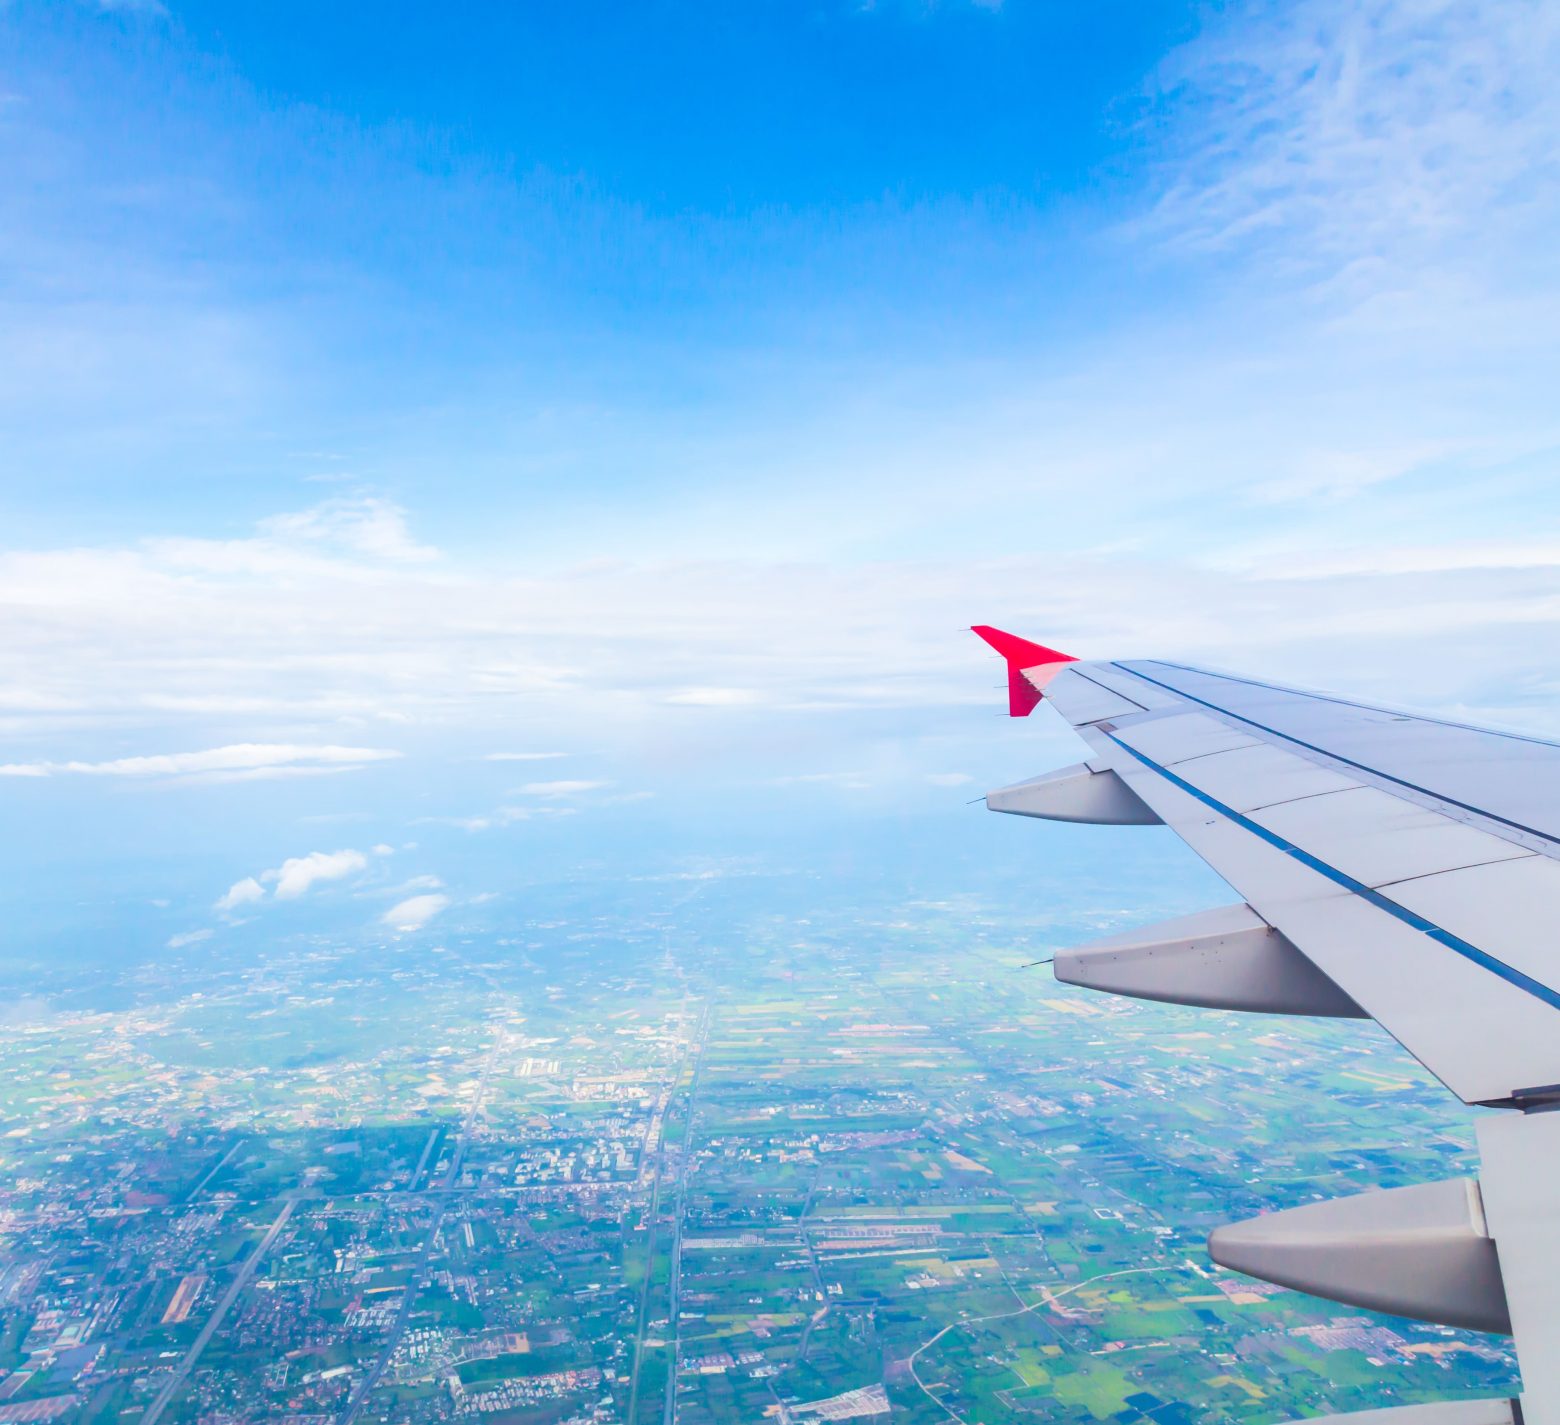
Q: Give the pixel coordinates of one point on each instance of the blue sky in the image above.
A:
(666, 386)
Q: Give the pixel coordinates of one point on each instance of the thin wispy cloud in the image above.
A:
(354, 538)
(130, 7)
(565, 788)
(500, 817)
(522, 756)
(1473, 556)
(96, 633)
(363, 526)
(406, 887)
(247, 759)
(1363, 134)
(715, 697)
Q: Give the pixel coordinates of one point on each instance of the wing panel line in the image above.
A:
(1113, 692)
(1348, 761)
(1426, 927)
(1316, 697)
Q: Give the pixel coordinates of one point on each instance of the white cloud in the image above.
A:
(949, 779)
(362, 525)
(135, 7)
(1469, 556)
(503, 816)
(560, 789)
(244, 892)
(714, 697)
(188, 937)
(1117, 494)
(1362, 134)
(413, 883)
(382, 849)
(240, 760)
(298, 874)
(84, 629)
(414, 912)
(1322, 474)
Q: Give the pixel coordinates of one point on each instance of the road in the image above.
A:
(221, 1163)
(679, 1204)
(445, 1191)
(422, 1162)
(155, 1409)
(651, 1218)
(1047, 1298)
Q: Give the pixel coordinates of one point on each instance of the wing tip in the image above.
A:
(1019, 654)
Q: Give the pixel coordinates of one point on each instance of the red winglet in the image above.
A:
(1020, 653)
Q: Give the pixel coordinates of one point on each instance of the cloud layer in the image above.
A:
(124, 637)
(1312, 435)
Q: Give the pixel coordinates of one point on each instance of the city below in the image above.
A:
(672, 1157)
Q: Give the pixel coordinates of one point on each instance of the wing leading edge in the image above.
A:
(1394, 866)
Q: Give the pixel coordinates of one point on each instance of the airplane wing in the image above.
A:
(1395, 866)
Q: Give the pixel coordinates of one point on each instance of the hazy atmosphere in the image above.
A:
(665, 388)
(512, 483)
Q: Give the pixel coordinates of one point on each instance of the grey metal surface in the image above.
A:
(1247, 778)
(1419, 1251)
(1438, 926)
(1521, 1183)
(1508, 908)
(1495, 773)
(1436, 1412)
(1082, 700)
(1415, 862)
(1226, 958)
(1381, 839)
(1075, 794)
(1181, 736)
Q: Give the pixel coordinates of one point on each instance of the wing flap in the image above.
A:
(1181, 736)
(1380, 839)
(1243, 779)
(1506, 910)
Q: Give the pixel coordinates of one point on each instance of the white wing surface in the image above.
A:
(1399, 866)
